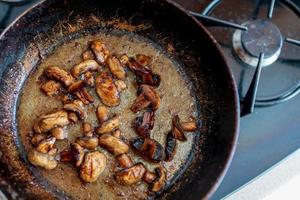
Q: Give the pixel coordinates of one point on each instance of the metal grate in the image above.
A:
(249, 101)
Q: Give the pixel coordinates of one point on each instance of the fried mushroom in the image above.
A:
(116, 133)
(88, 55)
(37, 138)
(102, 114)
(87, 142)
(100, 51)
(43, 160)
(109, 125)
(189, 126)
(144, 124)
(160, 181)
(87, 129)
(89, 79)
(46, 145)
(87, 65)
(177, 130)
(148, 148)
(170, 147)
(84, 96)
(143, 59)
(124, 59)
(59, 133)
(149, 177)
(50, 87)
(50, 121)
(140, 103)
(116, 68)
(77, 154)
(146, 96)
(72, 117)
(144, 75)
(77, 107)
(59, 75)
(65, 156)
(131, 175)
(93, 165)
(124, 160)
(112, 144)
(151, 95)
(78, 85)
(107, 90)
(121, 85)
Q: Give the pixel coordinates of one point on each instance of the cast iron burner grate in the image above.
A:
(256, 43)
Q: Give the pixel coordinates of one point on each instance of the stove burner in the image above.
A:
(261, 36)
(257, 43)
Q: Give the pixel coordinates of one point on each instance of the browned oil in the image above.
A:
(175, 98)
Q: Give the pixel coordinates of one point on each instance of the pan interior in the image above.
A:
(176, 97)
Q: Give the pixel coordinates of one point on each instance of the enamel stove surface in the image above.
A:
(269, 134)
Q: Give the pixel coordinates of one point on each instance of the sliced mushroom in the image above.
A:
(177, 129)
(89, 79)
(59, 133)
(100, 51)
(116, 67)
(87, 65)
(149, 149)
(46, 145)
(77, 154)
(93, 165)
(52, 151)
(116, 133)
(131, 175)
(124, 59)
(87, 129)
(67, 98)
(143, 59)
(59, 74)
(144, 124)
(42, 159)
(151, 95)
(140, 103)
(189, 126)
(77, 107)
(144, 75)
(107, 90)
(87, 142)
(124, 160)
(37, 138)
(114, 145)
(121, 85)
(50, 121)
(84, 96)
(50, 87)
(66, 156)
(160, 181)
(109, 125)
(147, 96)
(102, 114)
(78, 85)
(149, 177)
(72, 117)
(88, 55)
(170, 147)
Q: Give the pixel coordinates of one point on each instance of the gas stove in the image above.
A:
(261, 42)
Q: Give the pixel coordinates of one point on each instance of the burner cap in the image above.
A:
(261, 37)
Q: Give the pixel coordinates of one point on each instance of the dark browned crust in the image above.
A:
(148, 148)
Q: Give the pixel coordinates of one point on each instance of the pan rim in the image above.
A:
(230, 80)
